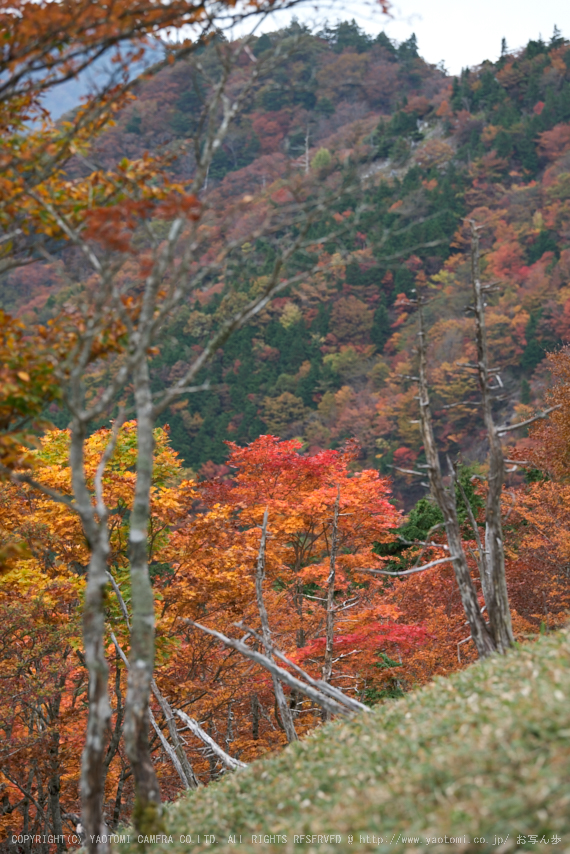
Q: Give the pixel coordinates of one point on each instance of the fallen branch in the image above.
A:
(325, 687)
(318, 696)
(195, 728)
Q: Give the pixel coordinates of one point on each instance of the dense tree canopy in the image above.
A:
(212, 282)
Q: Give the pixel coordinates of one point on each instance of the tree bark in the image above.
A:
(93, 758)
(328, 662)
(282, 705)
(147, 811)
(492, 563)
(446, 502)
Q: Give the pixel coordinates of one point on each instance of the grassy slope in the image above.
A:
(483, 753)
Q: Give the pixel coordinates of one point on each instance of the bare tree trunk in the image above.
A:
(54, 787)
(328, 662)
(147, 811)
(125, 773)
(446, 502)
(190, 780)
(255, 716)
(92, 765)
(284, 710)
(93, 759)
(493, 561)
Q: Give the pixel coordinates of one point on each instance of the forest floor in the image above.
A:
(479, 761)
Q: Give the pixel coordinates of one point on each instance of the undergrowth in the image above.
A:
(483, 754)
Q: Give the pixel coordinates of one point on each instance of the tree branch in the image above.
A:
(506, 428)
(407, 571)
(325, 687)
(317, 696)
(195, 728)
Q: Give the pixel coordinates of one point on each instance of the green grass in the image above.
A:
(484, 753)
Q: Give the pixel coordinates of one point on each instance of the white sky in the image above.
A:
(455, 31)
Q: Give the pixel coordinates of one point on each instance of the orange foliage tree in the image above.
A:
(44, 710)
(50, 195)
(214, 558)
(539, 518)
(202, 548)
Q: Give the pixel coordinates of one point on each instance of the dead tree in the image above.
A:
(328, 663)
(446, 501)
(492, 556)
(332, 699)
(496, 635)
(282, 705)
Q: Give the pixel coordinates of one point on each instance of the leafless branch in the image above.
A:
(105, 457)
(23, 478)
(407, 571)
(186, 774)
(315, 695)
(325, 687)
(197, 730)
(120, 600)
(506, 428)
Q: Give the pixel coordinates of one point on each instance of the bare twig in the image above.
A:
(23, 478)
(105, 457)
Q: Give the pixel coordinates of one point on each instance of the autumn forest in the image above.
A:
(284, 391)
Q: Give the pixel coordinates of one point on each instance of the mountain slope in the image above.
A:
(332, 359)
(484, 753)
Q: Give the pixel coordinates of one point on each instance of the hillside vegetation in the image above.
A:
(279, 496)
(410, 154)
(484, 753)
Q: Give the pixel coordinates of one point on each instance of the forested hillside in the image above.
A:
(418, 152)
(406, 777)
(325, 362)
(227, 372)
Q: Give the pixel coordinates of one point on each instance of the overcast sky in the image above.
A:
(453, 31)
